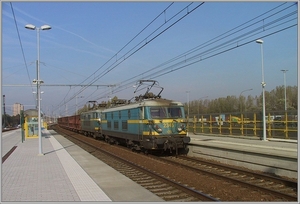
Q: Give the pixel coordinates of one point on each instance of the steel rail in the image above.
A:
(167, 180)
(267, 190)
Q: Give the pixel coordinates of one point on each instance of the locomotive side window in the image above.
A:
(124, 125)
(141, 113)
(116, 125)
(129, 114)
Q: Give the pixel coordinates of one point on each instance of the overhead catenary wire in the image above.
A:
(133, 50)
(115, 55)
(124, 57)
(198, 56)
(21, 46)
(191, 57)
(80, 91)
(174, 68)
(223, 47)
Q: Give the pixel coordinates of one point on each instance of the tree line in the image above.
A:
(274, 100)
(232, 104)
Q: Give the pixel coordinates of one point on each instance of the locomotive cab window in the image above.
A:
(175, 112)
(165, 112)
(158, 112)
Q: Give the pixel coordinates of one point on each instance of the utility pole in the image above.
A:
(4, 118)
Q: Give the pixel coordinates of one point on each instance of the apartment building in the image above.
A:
(17, 107)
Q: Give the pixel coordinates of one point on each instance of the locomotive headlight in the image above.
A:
(181, 128)
(157, 129)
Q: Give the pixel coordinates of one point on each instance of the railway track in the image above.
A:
(162, 186)
(219, 182)
(280, 187)
(167, 189)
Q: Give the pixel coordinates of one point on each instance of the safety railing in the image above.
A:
(285, 127)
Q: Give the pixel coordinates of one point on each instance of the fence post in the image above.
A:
(269, 125)
(195, 123)
(202, 124)
(254, 121)
(286, 126)
(220, 125)
(210, 124)
(242, 124)
(230, 125)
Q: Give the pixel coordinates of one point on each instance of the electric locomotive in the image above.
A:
(90, 121)
(149, 124)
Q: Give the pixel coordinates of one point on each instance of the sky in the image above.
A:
(194, 50)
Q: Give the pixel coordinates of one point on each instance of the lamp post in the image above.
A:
(284, 71)
(38, 81)
(263, 84)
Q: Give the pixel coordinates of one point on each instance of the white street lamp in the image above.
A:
(284, 71)
(38, 81)
(263, 84)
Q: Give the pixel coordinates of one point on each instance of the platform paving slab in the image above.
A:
(117, 186)
(54, 176)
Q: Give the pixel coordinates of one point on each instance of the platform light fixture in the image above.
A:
(38, 81)
(263, 84)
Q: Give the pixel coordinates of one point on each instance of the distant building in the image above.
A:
(17, 107)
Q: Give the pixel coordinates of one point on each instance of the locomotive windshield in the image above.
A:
(166, 112)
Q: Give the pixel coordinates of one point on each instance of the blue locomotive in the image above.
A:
(149, 124)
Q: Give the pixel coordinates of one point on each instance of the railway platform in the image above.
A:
(64, 172)
(274, 156)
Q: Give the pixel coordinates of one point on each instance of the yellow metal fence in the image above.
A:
(285, 128)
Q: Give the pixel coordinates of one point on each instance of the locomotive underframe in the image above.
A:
(145, 142)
